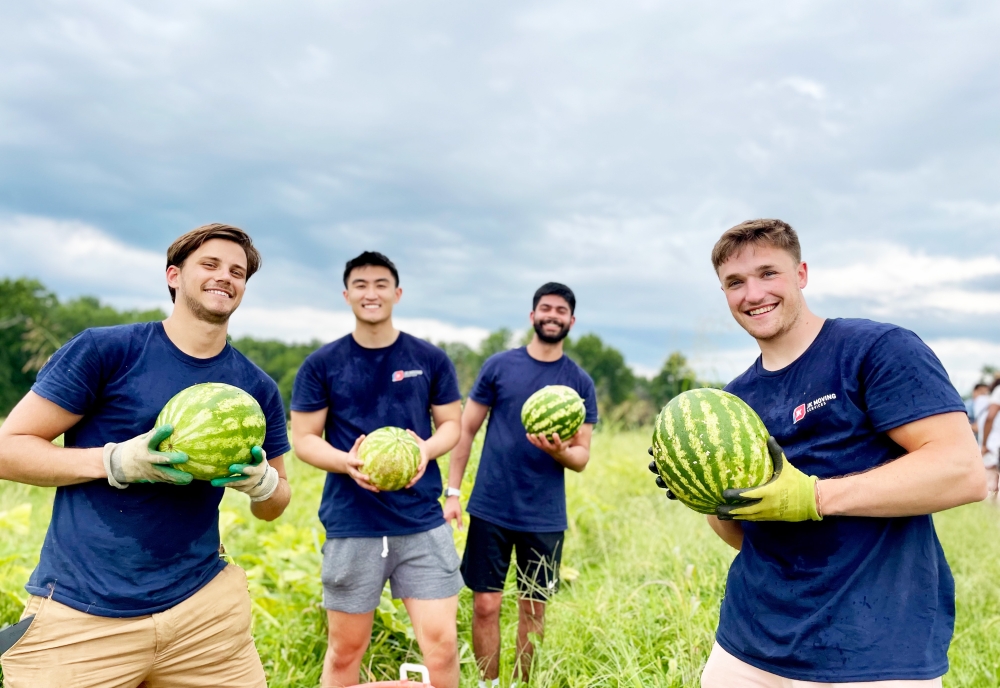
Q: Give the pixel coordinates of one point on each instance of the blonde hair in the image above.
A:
(756, 233)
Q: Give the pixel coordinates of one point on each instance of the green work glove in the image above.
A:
(256, 479)
(790, 494)
(139, 461)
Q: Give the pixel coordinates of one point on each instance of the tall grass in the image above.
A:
(641, 610)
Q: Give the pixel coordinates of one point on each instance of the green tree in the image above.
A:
(675, 377)
(279, 360)
(614, 380)
(24, 304)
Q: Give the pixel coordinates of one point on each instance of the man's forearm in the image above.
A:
(458, 461)
(443, 439)
(925, 481)
(275, 505)
(316, 451)
(731, 532)
(574, 458)
(36, 461)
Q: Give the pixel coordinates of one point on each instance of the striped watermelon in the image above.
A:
(215, 424)
(553, 409)
(707, 440)
(391, 458)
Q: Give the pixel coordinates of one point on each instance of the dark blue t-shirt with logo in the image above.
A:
(844, 599)
(519, 486)
(364, 390)
(144, 549)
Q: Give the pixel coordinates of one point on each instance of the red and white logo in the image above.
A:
(802, 409)
(799, 413)
(401, 375)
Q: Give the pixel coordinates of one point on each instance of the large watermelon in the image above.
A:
(391, 458)
(707, 440)
(215, 424)
(553, 409)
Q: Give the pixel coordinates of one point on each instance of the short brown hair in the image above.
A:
(187, 244)
(755, 233)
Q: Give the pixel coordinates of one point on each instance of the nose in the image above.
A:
(755, 292)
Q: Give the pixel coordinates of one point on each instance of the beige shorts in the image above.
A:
(203, 641)
(725, 671)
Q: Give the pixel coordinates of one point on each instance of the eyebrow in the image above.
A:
(219, 260)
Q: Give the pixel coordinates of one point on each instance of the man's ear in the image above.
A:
(173, 276)
(346, 300)
(803, 274)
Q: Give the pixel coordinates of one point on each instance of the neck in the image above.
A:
(784, 349)
(543, 351)
(375, 335)
(193, 336)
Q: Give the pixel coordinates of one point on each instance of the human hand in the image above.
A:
(453, 511)
(424, 458)
(659, 479)
(352, 467)
(256, 479)
(790, 495)
(555, 447)
(139, 461)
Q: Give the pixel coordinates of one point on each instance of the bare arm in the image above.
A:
(307, 438)
(731, 532)
(941, 469)
(574, 454)
(275, 505)
(27, 454)
(447, 430)
(988, 424)
(472, 419)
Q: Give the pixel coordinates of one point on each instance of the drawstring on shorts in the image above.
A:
(385, 546)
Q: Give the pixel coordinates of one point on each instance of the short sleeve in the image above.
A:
(904, 382)
(589, 400)
(276, 437)
(444, 386)
(995, 396)
(309, 392)
(484, 389)
(72, 377)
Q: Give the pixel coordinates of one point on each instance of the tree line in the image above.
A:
(34, 323)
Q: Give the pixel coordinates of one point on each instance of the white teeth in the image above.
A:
(762, 309)
(217, 291)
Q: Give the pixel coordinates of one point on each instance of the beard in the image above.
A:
(203, 314)
(550, 338)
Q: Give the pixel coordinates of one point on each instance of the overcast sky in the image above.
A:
(490, 147)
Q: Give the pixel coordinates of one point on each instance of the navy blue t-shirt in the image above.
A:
(847, 598)
(364, 390)
(519, 486)
(146, 548)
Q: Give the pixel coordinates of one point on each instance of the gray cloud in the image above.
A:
(488, 148)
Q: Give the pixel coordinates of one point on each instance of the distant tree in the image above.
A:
(467, 363)
(281, 361)
(675, 376)
(614, 380)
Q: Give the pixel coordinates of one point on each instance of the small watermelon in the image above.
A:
(215, 424)
(553, 409)
(707, 440)
(391, 458)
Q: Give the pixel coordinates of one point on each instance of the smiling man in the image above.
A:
(130, 587)
(840, 578)
(519, 501)
(377, 377)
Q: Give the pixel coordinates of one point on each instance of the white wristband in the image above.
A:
(452, 492)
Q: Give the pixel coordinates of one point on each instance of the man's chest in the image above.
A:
(396, 379)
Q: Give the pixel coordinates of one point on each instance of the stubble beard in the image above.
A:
(205, 315)
(784, 327)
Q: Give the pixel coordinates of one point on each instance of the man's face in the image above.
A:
(552, 319)
(371, 293)
(211, 281)
(763, 286)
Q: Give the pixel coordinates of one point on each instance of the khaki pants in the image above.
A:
(725, 671)
(203, 641)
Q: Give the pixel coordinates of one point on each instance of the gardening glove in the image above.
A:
(790, 494)
(256, 479)
(659, 479)
(139, 461)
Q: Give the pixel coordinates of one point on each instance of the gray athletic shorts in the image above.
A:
(422, 566)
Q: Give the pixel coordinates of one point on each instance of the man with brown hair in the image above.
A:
(840, 577)
(130, 588)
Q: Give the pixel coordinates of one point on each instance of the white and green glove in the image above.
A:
(138, 461)
(790, 494)
(257, 479)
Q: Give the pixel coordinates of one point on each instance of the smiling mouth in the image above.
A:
(762, 310)
(219, 292)
(371, 306)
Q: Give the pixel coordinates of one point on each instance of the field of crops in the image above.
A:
(640, 610)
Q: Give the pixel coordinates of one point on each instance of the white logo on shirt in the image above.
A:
(801, 410)
(403, 374)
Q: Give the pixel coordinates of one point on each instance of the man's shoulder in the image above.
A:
(114, 334)
(337, 349)
(421, 347)
(253, 373)
(860, 331)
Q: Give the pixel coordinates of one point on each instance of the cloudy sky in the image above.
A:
(490, 147)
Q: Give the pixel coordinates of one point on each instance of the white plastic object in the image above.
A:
(406, 669)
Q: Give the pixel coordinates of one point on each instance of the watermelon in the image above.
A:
(391, 458)
(215, 424)
(553, 409)
(707, 440)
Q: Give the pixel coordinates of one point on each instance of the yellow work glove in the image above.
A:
(790, 494)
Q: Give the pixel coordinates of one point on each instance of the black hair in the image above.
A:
(371, 258)
(556, 289)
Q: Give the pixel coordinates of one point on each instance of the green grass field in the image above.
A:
(641, 611)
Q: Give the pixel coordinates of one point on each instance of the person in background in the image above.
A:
(975, 404)
(989, 433)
